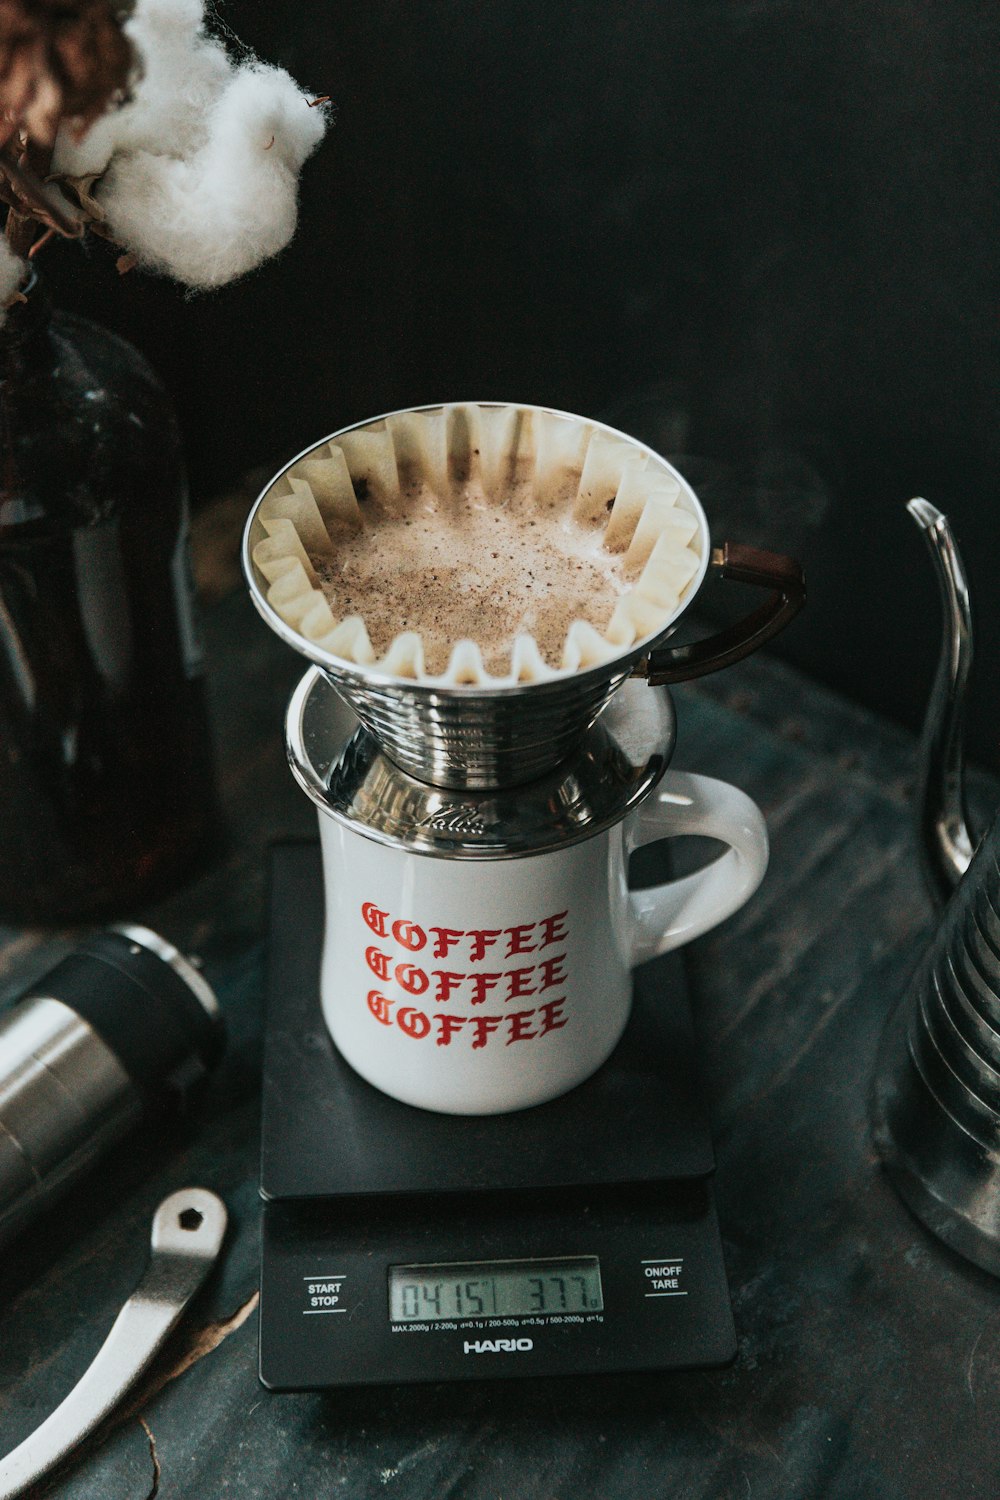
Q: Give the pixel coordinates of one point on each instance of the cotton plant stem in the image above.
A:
(21, 228)
(26, 177)
(20, 233)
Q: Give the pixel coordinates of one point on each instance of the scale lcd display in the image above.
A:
(495, 1289)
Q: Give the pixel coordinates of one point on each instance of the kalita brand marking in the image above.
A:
(457, 817)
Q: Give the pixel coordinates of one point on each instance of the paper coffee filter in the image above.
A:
(607, 481)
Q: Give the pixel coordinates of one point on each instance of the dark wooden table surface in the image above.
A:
(868, 1354)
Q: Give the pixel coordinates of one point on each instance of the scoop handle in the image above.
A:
(188, 1229)
(781, 576)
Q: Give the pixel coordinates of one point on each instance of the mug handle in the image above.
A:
(783, 576)
(665, 916)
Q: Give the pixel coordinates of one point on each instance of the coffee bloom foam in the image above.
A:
(603, 478)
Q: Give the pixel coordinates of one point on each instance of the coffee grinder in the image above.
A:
(416, 1227)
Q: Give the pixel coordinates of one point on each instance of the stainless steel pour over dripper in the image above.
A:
(482, 736)
(936, 1096)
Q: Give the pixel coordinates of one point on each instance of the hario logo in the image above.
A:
(498, 1346)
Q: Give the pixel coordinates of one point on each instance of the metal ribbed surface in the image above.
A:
(937, 1090)
(478, 740)
(960, 988)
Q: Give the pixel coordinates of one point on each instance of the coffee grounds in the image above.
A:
(465, 567)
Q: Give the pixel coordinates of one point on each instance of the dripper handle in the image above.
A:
(666, 916)
(785, 580)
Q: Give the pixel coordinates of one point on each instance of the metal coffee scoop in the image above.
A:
(188, 1229)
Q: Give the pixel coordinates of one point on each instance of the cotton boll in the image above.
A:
(184, 73)
(263, 110)
(198, 172)
(232, 204)
(12, 270)
(162, 20)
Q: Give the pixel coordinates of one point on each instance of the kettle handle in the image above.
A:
(782, 576)
(946, 845)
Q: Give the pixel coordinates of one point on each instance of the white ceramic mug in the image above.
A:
(487, 985)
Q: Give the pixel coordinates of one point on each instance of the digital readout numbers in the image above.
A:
(502, 1289)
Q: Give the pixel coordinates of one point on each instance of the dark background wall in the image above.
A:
(760, 235)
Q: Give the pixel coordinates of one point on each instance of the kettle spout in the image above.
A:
(946, 845)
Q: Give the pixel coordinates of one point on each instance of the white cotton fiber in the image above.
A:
(217, 214)
(183, 74)
(197, 175)
(12, 271)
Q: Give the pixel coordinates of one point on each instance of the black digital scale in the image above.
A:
(399, 1245)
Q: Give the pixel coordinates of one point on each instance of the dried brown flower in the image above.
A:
(61, 60)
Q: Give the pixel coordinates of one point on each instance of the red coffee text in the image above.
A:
(469, 945)
(512, 1026)
(453, 981)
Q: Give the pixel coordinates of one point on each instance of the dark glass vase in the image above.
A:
(107, 795)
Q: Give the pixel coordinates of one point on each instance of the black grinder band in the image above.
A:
(146, 1002)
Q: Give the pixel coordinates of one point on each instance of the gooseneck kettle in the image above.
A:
(936, 1095)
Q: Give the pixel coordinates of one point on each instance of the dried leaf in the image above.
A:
(37, 200)
(62, 59)
(82, 190)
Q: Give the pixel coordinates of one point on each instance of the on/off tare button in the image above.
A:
(664, 1277)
